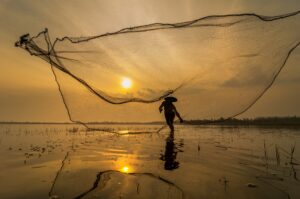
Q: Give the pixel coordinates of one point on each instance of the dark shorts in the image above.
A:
(169, 117)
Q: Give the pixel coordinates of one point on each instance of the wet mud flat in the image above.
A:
(120, 161)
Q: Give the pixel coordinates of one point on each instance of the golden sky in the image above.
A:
(27, 88)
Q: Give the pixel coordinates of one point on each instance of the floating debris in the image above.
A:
(251, 185)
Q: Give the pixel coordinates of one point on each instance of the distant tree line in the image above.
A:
(259, 121)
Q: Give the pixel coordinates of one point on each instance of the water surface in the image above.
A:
(65, 161)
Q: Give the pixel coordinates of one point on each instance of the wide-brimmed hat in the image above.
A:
(171, 99)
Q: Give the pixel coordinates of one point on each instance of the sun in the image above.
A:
(125, 169)
(126, 83)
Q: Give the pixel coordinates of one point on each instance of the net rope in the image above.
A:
(217, 66)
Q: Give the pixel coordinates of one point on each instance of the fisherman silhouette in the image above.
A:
(170, 111)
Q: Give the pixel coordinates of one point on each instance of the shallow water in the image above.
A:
(65, 161)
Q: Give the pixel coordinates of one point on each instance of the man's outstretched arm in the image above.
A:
(178, 115)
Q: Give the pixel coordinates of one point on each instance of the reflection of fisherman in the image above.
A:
(170, 111)
(170, 153)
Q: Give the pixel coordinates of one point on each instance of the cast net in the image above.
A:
(217, 66)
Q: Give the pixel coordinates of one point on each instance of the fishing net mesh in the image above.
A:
(217, 66)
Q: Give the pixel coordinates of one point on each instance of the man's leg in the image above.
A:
(171, 121)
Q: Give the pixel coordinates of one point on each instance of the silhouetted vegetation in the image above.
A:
(260, 121)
